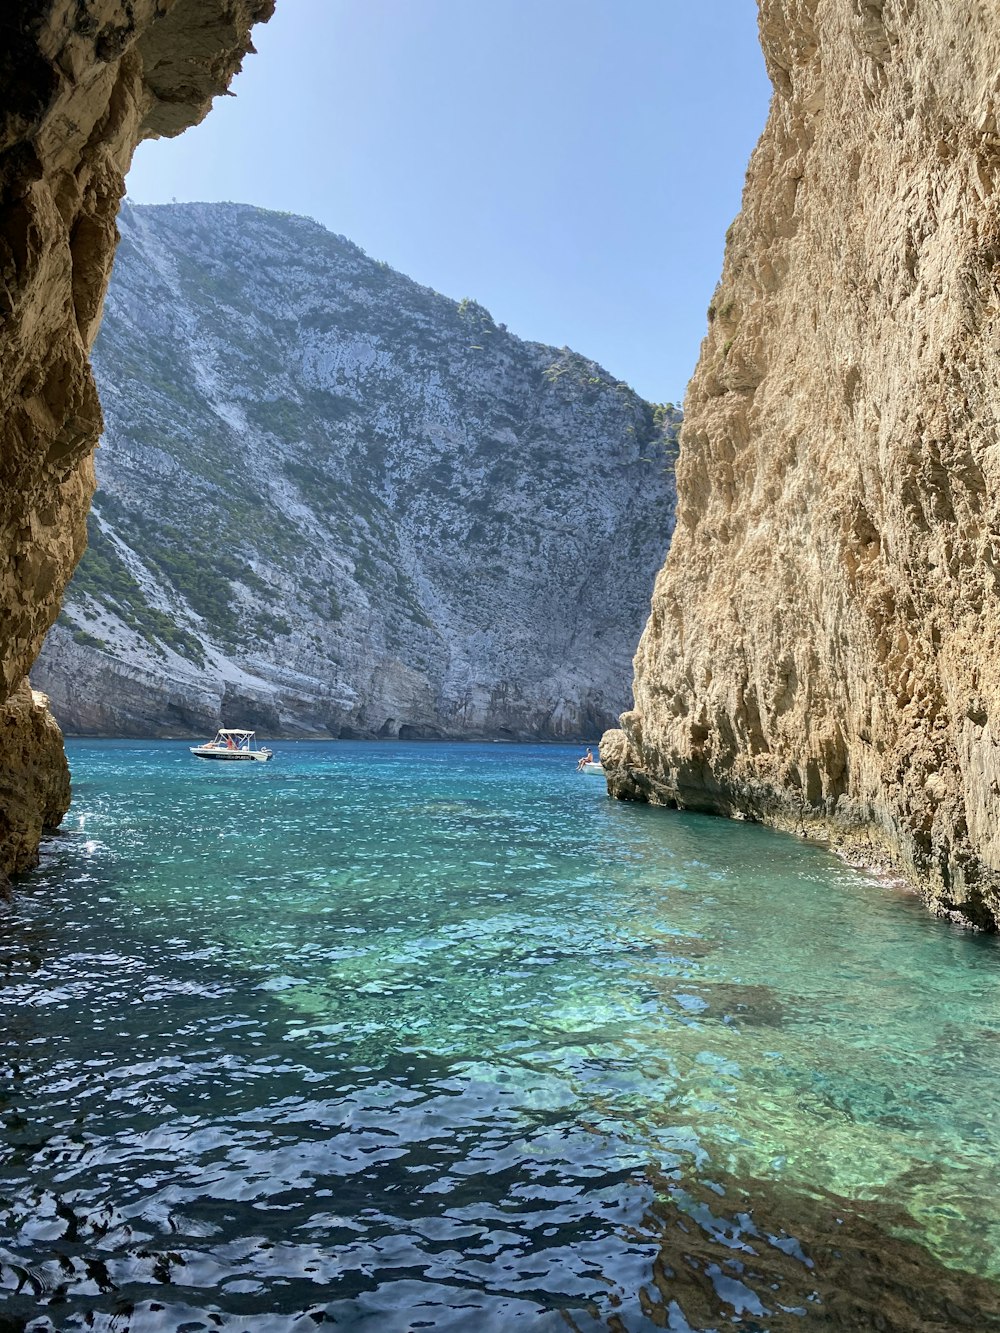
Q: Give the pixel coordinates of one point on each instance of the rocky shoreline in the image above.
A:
(862, 846)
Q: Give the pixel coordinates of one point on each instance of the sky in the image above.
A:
(570, 164)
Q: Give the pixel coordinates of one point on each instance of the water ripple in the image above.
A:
(438, 1037)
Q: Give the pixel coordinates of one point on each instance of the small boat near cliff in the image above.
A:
(593, 767)
(230, 743)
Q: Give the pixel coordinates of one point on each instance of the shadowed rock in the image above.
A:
(83, 84)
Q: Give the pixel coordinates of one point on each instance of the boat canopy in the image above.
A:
(233, 743)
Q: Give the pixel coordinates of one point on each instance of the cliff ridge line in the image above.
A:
(338, 503)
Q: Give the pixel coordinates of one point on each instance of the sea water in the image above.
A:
(413, 1036)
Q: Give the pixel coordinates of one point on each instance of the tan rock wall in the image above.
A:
(83, 81)
(34, 778)
(824, 645)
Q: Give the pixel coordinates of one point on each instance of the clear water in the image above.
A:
(437, 1036)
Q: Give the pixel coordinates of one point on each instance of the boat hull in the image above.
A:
(596, 769)
(259, 755)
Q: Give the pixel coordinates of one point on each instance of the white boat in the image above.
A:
(593, 768)
(230, 743)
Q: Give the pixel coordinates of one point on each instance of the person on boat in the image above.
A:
(230, 743)
(588, 758)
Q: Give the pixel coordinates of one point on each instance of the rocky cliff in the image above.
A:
(332, 501)
(81, 84)
(823, 646)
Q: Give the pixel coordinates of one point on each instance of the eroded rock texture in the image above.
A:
(82, 82)
(334, 502)
(823, 646)
(34, 777)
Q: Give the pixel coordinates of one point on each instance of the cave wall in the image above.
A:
(84, 81)
(823, 651)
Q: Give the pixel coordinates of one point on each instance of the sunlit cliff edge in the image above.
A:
(822, 652)
(83, 84)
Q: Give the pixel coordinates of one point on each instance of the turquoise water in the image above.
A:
(436, 1036)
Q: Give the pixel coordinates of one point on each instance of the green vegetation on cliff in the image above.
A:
(103, 577)
(367, 505)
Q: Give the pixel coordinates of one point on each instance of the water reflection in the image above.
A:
(420, 1056)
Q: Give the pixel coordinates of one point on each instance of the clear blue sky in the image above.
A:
(571, 164)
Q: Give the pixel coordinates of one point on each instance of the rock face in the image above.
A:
(334, 502)
(82, 84)
(823, 646)
(34, 777)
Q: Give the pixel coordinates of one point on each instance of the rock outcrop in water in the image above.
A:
(824, 641)
(332, 501)
(82, 84)
(34, 778)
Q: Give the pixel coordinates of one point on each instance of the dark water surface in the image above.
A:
(436, 1036)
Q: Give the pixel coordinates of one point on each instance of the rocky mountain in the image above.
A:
(823, 647)
(331, 501)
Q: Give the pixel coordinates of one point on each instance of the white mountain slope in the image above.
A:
(334, 502)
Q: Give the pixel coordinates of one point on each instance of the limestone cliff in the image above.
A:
(823, 646)
(333, 501)
(82, 83)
